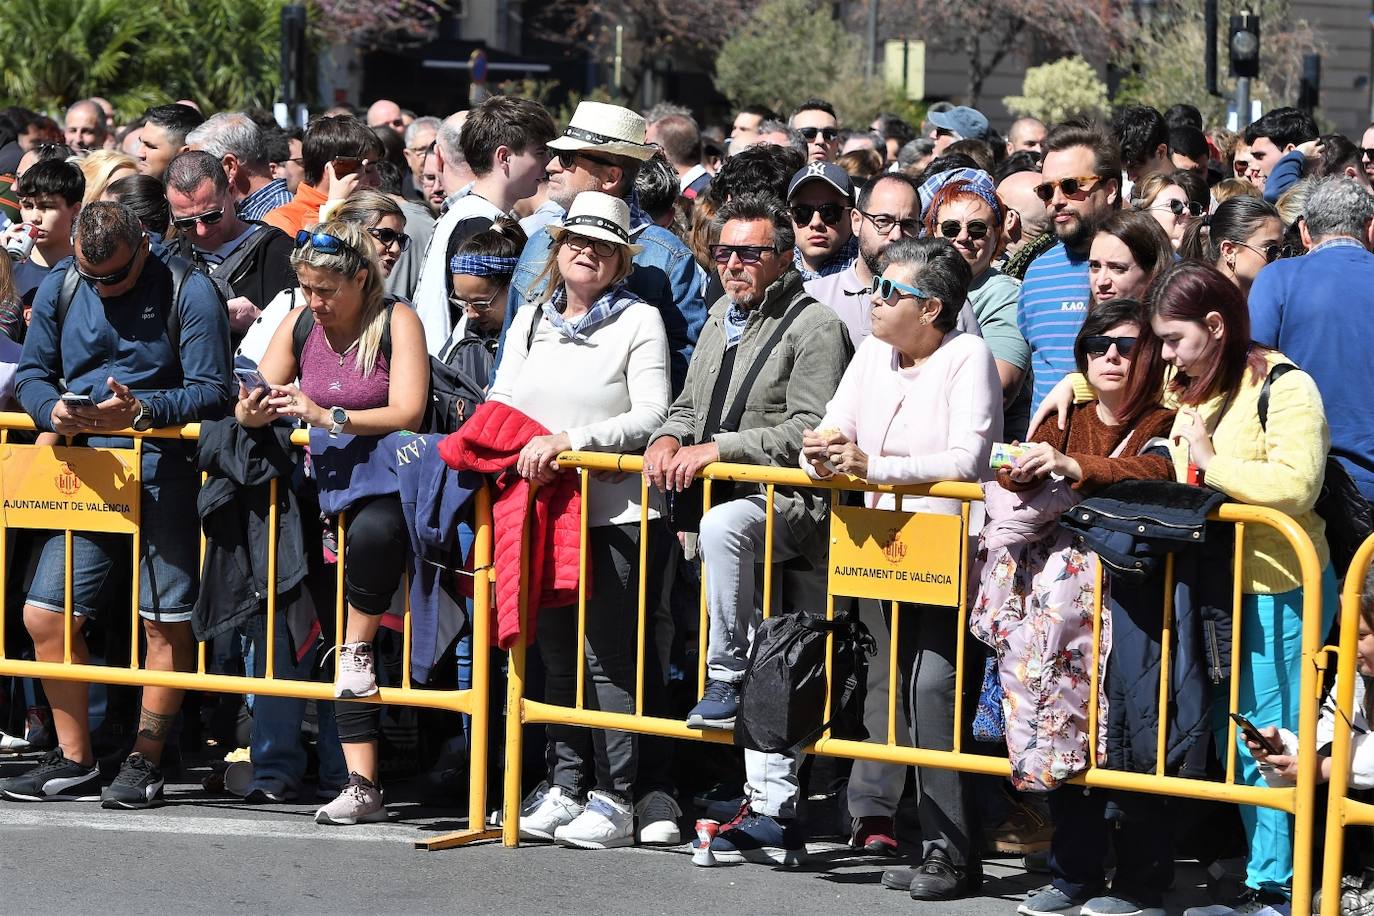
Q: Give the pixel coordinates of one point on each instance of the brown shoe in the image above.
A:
(1024, 831)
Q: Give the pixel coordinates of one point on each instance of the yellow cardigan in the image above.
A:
(1281, 468)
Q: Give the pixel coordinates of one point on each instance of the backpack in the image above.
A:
(235, 267)
(783, 694)
(1348, 515)
(453, 394)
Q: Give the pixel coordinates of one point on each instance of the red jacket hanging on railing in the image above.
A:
(490, 442)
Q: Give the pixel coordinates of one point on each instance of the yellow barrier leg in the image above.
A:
(515, 703)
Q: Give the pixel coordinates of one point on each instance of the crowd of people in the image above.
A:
(1146, 316)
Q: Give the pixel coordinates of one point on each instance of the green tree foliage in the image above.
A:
(1062, 89)
(136, 53)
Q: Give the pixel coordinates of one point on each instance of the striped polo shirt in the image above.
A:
(1054, 301)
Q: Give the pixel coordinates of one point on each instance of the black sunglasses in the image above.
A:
(1099, 344)
(1270, 253)
(1367, 153)
(389, 237)
(326, 243)
(976, 229)
(747, 254)
(208, 218)
(809, 133)
(114, 279)
(1176, 207)
(830, 213)
(568, 157)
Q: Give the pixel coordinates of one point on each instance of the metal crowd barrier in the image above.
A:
(954, 557)
(1342, 810)
(57, 485)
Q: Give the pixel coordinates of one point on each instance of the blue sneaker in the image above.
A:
(718, 707)
(762, 840)
(1050, 901)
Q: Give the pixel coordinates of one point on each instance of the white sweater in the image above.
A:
(609, 392)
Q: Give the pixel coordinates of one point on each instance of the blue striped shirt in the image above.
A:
(264, 200)
(1054, 301)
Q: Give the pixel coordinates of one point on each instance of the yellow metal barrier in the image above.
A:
(472, 701)
(1296, 800)
(1343, 811)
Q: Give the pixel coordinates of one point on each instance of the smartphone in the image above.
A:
(77, 400)
(251, 379)
(1248, 729)
(346, 165)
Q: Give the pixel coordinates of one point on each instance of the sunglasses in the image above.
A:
(911, 228)
(1099, 344)
(1178, 207)
(887, 290)
(389, 237)
(601, 247)
(1270, 253)
(830, 213)
(114, 279)
(208, 218)
(1070, 187)
(325, 243)
(747, 254)
(567, 158)
(976, 229)
(809, 133)
(1367, 153)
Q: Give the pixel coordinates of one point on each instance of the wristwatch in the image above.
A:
(338, 419)
(143, 419)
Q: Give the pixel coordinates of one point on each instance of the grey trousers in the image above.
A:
(876, 788)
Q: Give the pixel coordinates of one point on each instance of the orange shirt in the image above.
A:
(302, 213)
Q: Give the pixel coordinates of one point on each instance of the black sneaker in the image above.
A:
(138, 784)
(55, 779)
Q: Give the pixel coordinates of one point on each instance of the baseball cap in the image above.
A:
(828, 172)
(968, 123)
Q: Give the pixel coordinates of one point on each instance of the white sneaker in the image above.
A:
(604, 824)
(657, 815)
(359, 802)
(1250, 903)
(548, 812)
(355, 676)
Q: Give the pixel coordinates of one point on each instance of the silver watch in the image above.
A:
(338, 418)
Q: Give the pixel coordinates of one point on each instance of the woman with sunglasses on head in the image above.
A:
(1173, 200)
(350, 384)
(920, 402)
(968, 213)
(1199, 323)
(1241, 238)
(589, 360)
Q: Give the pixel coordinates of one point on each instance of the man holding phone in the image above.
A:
(338, 155)
(147, 355)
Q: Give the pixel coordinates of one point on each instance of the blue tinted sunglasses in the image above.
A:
(885, 289)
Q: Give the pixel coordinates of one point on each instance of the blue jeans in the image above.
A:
(1270, 673)
(277, 752)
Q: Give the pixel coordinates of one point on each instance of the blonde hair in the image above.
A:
(551, 278)
(367, 208)
(1293, 202)
(357, 255)
(1227, 188)
(98, 166)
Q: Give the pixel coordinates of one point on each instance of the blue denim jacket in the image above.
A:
(665, 276)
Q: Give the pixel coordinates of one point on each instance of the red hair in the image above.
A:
(1190, 291)
(960, 190)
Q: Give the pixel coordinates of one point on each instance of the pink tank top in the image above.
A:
(333, 380)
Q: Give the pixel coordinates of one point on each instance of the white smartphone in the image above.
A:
(77, 400)
(251, 379)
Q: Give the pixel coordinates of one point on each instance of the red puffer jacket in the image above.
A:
(489, 443)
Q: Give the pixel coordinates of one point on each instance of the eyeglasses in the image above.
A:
(887, 290)
(976, 229)
(809, 133)
(208, 218)
(1099, 344)
(1070, 187)
(389, 237)
(601, 247)
(568, 157)
(911, 228)
(1177, 207)
(1270, 253)
(114, 279)
(477, 305)
(325, 243)
(830, 213)
(747, 254)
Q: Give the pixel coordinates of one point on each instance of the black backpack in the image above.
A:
(782, 696)
(453, 393)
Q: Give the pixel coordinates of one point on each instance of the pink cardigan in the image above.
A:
(952, 409)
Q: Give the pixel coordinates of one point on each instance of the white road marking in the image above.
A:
(93, 818)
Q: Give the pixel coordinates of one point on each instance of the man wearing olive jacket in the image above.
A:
(767, 326)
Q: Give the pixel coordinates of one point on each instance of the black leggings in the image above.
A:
(375, 545)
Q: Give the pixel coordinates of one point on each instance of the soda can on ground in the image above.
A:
(706, 830)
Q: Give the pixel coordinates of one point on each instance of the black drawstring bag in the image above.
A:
(782, 696)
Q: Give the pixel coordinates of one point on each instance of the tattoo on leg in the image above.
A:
(154, 726)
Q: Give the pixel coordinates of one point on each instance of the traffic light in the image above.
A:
(1310, 86)
(1244, 45)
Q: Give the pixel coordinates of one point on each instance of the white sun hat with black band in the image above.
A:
(598, 216)
(608, 128)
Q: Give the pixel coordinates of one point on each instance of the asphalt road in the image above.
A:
(212, 854)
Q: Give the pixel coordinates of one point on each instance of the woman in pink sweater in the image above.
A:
(920, 402)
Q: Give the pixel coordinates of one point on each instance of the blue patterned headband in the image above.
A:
(975, 181)
(481, 265)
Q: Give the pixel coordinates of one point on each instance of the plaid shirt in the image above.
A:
(264, 200)
(612, 302)
(840, 262)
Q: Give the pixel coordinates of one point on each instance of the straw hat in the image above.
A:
(608, 128)
(598, 216)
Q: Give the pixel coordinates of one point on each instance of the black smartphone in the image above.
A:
(346, 165)
(1248, 729)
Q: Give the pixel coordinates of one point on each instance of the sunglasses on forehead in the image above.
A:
(325, 243)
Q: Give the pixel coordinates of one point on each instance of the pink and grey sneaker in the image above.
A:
(360, 802)
(357, 675)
